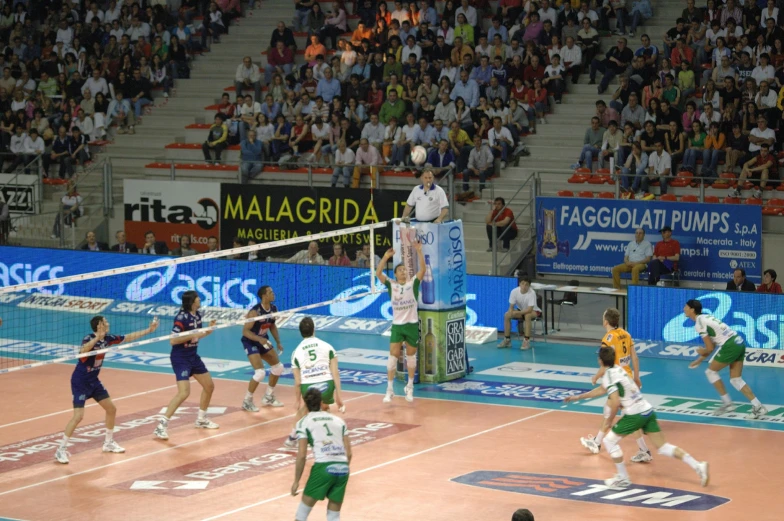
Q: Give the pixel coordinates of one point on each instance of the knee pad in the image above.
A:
(259, 375)
(737, 383)
(411, 362)
(668, 449)
(610, 443)
(277, 369)
(391, 362)
(712, 376)
(303, 511)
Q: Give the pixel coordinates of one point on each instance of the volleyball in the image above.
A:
(418, 155)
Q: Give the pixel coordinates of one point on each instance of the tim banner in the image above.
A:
(659, 316)
(267, 213)
(20, 193)
(171, 209)
(588, 237)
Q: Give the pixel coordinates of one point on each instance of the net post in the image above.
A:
(372, 261)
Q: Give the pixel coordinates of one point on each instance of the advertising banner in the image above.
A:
(588, 237)
(659, 316)
(171, 209)
(19, 192)
(271, 213)
(231, 284)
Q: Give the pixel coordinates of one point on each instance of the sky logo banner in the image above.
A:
(588, 236)
(537, 393)
(591, 491)
(562, 373)
(230, 284)
(659, 315)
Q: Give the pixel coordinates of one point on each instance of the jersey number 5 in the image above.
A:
(312, 355)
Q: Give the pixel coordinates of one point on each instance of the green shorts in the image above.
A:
(634, 422)
(327, 390)
(327, 480)
(733, 350)
(408, 333)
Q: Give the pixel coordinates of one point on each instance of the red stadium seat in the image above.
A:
(690, 199)
(712, 199)
(671, 198)
(754, 201)
(585, 194)
(565, 193)
(578, 178)
(731, 200)
(772, 210)
(606, 195)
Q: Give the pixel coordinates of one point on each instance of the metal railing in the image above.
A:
(526, 193)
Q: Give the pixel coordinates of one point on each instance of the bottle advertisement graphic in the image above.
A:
(428, 285)
(431, 362)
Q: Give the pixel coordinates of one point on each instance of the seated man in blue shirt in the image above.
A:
(637, 255)
(252, 155)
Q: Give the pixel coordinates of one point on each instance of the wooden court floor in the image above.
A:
(433, 460)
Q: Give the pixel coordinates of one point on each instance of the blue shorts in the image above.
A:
(82, 390)
(254, 348)
(186, 365)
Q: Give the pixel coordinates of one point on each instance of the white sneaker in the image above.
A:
(642, 457)
(526, 345)
(590, 444)
(702, 472)
(206, 423)
(734, 192)
(409, 393)
(756, 193)
(506, 342)
(388, 396)
(112, 446)
(269, 400)
(618, 481)
(724, 409)
(290, 443)
(248, 405)
(757, 413)
(161, 430)
(503, 165)
(62, 455)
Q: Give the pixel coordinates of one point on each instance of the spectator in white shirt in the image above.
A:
(572, 56)
(96, 84)
(637, 255)
(309, 256)
(64, 34)
(659, 167)
(320, 133)
(524, 299)
(766, 104)
(248, 76)
(761, 134)
(344, 163)
(374, 132)
(137, 29)
(17, 149)
(480, 164)
(548, 13)
(500, 140)
(469, 12)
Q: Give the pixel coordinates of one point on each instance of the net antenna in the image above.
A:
(63, 352)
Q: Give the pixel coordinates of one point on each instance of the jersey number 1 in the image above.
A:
(326, 428)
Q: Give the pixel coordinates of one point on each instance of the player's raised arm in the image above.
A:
(381, 265)
(421, 256)
(593, 393)
(130, 337)
(100, 334)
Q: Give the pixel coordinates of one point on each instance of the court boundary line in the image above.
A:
(391, 462)
(166, 449)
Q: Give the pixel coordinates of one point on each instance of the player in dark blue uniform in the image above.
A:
(186, 362)
(255, 340)
(85, 383)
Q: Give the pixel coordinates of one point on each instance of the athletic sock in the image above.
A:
(688, 460)
(202, 414)
(756, 403)
(599, 437)
(726, 399)
(293, 434)
(643, 446)
(622, 470)
(248, 395)
(270, 391)
(64, 441)
(165, 421)
(109, 436)
(390, 385)
(333, 515)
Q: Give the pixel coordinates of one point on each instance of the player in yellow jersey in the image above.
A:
(621, 341)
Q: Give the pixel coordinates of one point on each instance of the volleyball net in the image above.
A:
(46, 321)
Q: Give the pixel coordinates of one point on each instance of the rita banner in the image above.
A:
(171, 209)
(588, 237)
(271, 213)
(442, 296)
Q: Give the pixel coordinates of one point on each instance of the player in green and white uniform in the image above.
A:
(314, 364)
(328, 436)
(638, 414)
(732, 352)
(405, 319)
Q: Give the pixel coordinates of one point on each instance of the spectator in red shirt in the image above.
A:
(666, 254)
(535, 71)
(769, 284)
(339, 257)
(506, 228)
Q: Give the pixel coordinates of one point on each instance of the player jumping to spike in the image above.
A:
(314, 363)
(732, 352)
(85, 383)
(621, 342)
(638, 415)
(186, 362)
(328, 436)
(255, 340)
(405, 321)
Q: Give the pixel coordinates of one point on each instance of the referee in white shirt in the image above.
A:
(427, 200)
(637, 255)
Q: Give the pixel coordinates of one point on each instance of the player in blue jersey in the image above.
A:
(186, 362)
(85, 383)
(255, 340)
